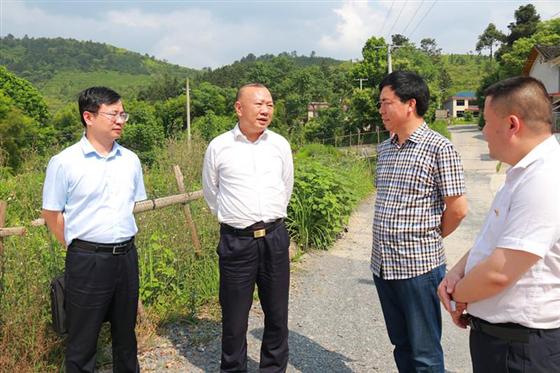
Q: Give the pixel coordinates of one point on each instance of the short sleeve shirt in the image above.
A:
(525, 215)
(95, 193)
(412, 179)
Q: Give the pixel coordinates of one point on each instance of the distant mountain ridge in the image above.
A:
(40, 59)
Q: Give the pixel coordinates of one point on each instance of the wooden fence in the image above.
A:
(150, 204)
(357, 139)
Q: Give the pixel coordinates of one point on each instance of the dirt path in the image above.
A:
(336, 323)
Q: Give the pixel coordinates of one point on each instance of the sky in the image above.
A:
(214, 33)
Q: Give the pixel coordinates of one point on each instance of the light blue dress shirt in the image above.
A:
(95, 193)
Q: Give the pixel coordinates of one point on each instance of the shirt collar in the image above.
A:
(88, 149)
(237, 134)
(538, 152)
(415, 137)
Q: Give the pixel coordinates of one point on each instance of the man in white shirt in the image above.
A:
(247, 182)
(509, 282)
(88, 199)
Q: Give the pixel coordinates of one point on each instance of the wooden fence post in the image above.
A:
(187, 211)
(3, 208)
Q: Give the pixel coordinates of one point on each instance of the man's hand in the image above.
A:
(459, 317)
(446, 288)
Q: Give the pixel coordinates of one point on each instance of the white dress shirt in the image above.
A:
(246, 182)
(96, 193)
(525, 215)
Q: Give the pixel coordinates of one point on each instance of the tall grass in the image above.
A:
(175, 284)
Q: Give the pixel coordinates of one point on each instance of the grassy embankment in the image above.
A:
(174, 283)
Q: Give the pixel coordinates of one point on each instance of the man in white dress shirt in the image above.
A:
(247, 181)
(509, 282)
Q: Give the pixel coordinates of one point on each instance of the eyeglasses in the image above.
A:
(384, 103)
(113, 116)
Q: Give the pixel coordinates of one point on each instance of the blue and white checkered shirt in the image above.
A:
(412, 180)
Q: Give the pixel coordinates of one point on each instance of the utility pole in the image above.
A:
(188, 115)
(389, 61)
(361, 80)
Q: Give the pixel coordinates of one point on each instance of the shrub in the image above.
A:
(327, 187)
(441, 127)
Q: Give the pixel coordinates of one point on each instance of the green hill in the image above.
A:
(60, 68)
(466, 70)
(268, 69)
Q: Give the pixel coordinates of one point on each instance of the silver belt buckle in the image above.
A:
(259, 233)
(119, 247)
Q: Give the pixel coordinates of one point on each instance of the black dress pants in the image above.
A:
(101, 287)
(541, 354)
(245, 261)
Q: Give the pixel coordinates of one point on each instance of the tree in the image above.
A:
(161, 88)
(374, 63)
(17, 133)
(525, 25)
(362, 113)
(489, 38)
(512, 61)
(211, 125)
(67, 124)
(24, 95)
(445, 82)
(429, 46)
(143, 133)
(398, 39)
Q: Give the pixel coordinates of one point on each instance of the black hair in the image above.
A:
(523, 96)
(408, 85)
(92, 98)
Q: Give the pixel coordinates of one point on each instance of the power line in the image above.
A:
(399, 16)
(386, 17)
(413, 17)
(423, 18)
(554, 15)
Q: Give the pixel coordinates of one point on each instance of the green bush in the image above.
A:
(441, 127)
(327, 187)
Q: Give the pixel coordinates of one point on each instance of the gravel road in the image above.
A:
(336, 323)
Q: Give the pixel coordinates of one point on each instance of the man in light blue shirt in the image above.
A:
(88, 198)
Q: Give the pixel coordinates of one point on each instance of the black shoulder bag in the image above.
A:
(57, 305)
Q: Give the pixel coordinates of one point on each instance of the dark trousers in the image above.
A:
(413, 319)
(101, 287)
(494, 355)
(245, 261)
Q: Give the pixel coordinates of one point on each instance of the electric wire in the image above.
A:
(423, 18)
(397, 19)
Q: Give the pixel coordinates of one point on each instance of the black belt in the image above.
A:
(256, 230)
(507, 331)
(120, 248)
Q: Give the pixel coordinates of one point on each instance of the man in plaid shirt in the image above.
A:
(420, 200)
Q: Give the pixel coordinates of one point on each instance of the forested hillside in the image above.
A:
(62, 67)
(466, 71)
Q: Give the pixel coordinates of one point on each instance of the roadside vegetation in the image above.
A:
(39, 81)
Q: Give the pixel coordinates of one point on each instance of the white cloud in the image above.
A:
(357, 22)
(199, 34)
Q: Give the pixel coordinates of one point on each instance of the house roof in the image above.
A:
(549, 53)
(461, 95)
(464, 94)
